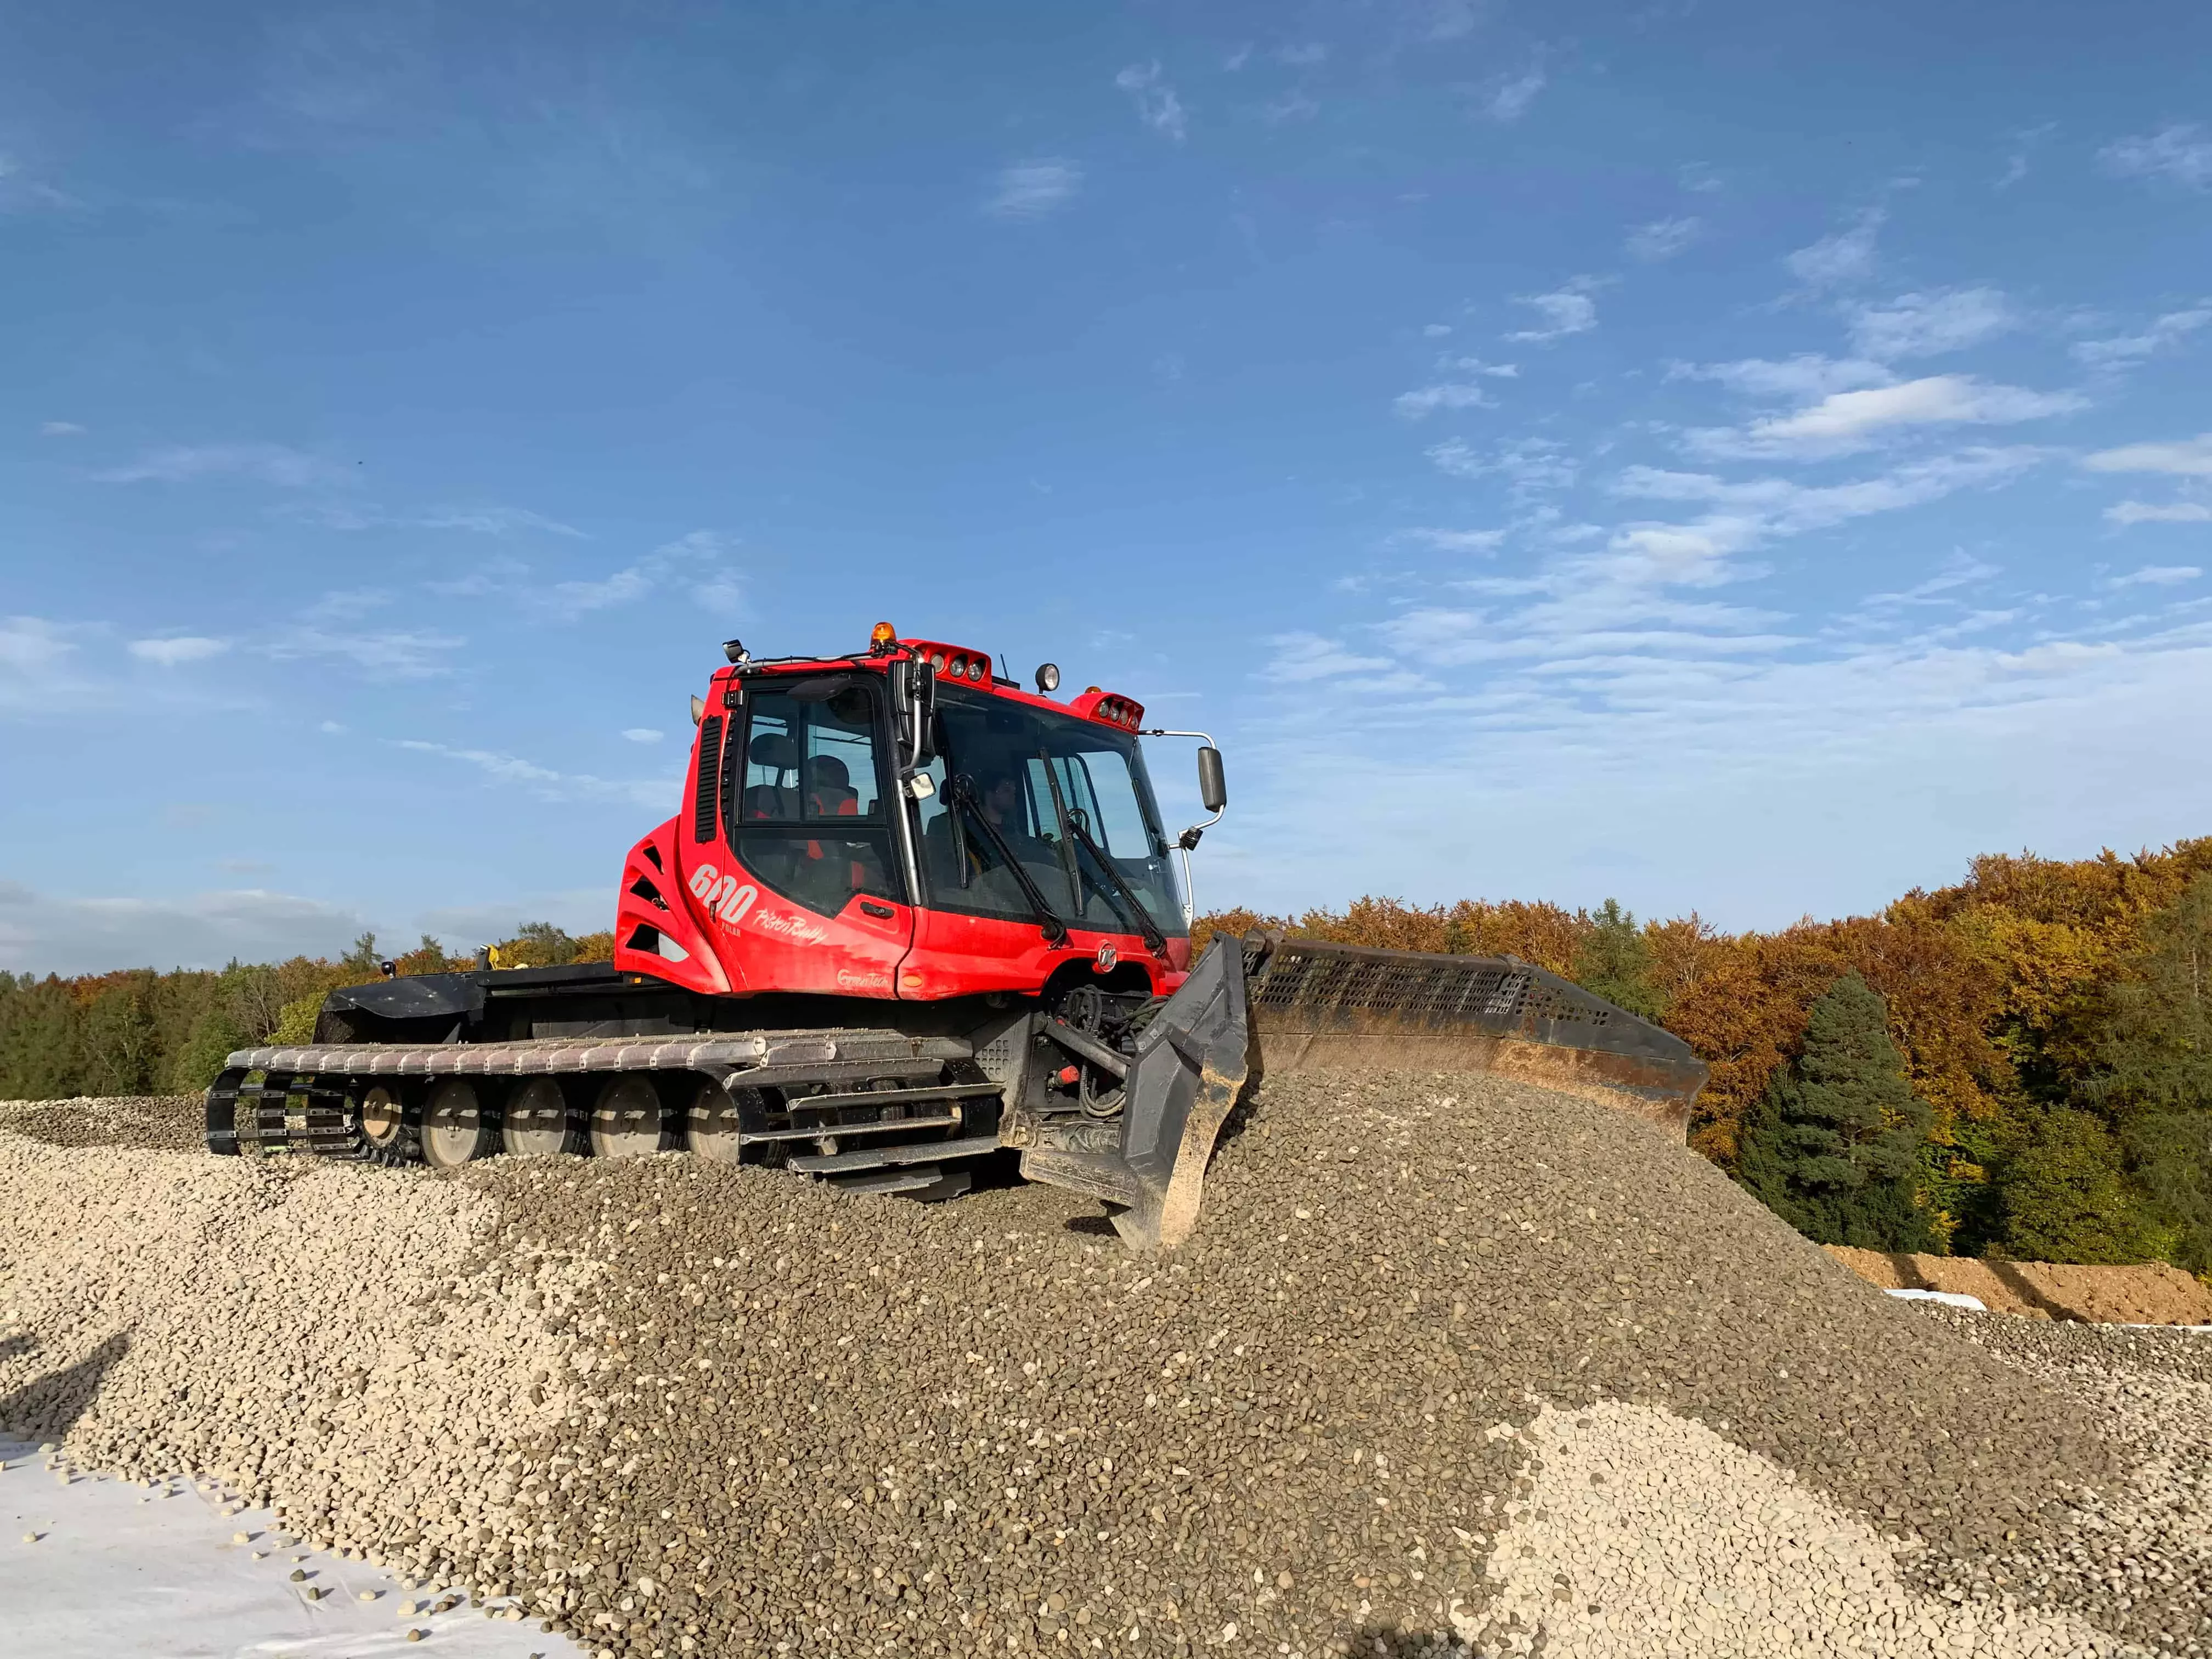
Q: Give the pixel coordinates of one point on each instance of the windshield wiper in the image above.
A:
(962, 792)
(1128, 907)
(1066, 848)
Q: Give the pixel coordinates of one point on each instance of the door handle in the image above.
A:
(882, 910)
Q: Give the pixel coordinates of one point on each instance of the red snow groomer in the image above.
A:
(912, 919)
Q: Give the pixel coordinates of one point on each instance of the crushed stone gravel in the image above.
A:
(678, 1408)
(176, 1121)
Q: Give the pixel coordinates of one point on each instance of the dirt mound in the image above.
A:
(2154, 1293)
(680, 1407)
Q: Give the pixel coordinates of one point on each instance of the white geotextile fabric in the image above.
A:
(108, 1573)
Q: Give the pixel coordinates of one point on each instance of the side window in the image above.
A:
(808, 816)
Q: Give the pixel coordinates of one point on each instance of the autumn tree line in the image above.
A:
(2017, 1066)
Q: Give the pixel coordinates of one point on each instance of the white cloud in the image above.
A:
(2126, 513)
(60, 429)
(170, 653)
(1567, 309)
(1454, 541)
(1663, 239)
(1303, 55)
(1842, 257)
(1435, 331)
(270, 463)
(331, 729)
(2181, 151)
(1301, 658)
(1507, 100)
(1928, 325)
(1157, 106)
(2126, 350)
(1845, 421)
(2159, 576)
(1697, 176)
(1030, 190)
(1476, 366)
(1418, 404)
(1807, 375)
(2189, 458)
(642, 735)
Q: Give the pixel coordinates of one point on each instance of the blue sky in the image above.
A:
(1726, 456)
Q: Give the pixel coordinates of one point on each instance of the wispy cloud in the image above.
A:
(399, 653)
(2189, 458)
(1507, 100)
(1532, 466)
(1841, 258)
(21, 190)
(1030, 190)
(270, 463)
(703, 561)
(2127, 513)
(2126, 350)
(1567, 309)
(1844, 423)
(2179, 151)
(1301, 658)
(1807, 375)
(1929, 325)
(1157, 106)
(1458, 394)
(178, 649)
(350, 516)
(1453, 541)
(543, 782)
(643, 734)
(1663, 239)
(2159, 576)
(60, 429)
(1477, 366)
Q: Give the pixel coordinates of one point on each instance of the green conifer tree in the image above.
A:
(2154, 1073)
(1615, 961)
(1833, 1148)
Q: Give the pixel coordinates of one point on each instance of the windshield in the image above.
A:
(1012, 761)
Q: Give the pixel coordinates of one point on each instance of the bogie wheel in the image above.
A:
(457, 1125)
(390, 1127)
(538, 1119)
(628, 1119)
(715, 1124)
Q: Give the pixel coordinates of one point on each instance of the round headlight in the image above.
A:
(974, 668)
(937, 660)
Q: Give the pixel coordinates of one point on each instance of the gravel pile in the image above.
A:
(177, 1121)
(1644, 1530)
(679, 1407)
(2137, 1555)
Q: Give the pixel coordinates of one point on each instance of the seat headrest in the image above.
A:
(774, 749)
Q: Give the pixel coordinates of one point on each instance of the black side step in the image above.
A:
(882, 1157)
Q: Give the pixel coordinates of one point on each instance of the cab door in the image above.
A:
(812, 898)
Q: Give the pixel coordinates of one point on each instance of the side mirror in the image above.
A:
(913, 709)
(1213, 787)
